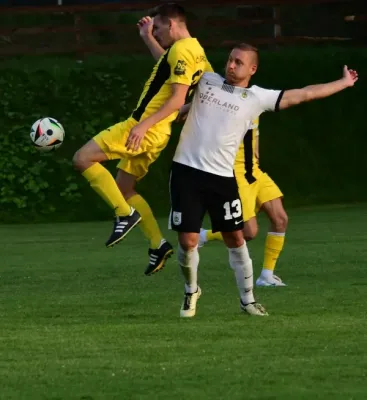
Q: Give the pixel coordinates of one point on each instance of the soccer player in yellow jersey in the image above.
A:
(258, 192)
(138, 141)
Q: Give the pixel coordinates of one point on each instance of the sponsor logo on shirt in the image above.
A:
(180, 67)
(209, 99)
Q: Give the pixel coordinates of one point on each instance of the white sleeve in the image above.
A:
(269, 99)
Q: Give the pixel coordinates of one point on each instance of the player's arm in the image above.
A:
(173, 104)
(145, 26)
(296, 96)
(184, 110)
(182, 65)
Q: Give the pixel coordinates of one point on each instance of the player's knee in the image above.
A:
(233, 239)
(88, 155)
(250, 230)
(280, 222)
(250, 234)
(80, 160)
(85, 158)
(189, 243)
(237, 242)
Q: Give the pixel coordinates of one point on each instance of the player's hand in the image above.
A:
(145, 26)
(349, 76)
(135, 137)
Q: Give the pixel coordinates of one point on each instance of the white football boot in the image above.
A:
(271, 281)
(254, 309)
(188, 308)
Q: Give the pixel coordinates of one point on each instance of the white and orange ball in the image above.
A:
(47, 134)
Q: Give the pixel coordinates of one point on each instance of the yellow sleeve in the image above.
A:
(208, 67)
(182, 65)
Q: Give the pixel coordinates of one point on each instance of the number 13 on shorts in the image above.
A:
(232, 210)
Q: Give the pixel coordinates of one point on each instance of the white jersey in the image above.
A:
(219, 117)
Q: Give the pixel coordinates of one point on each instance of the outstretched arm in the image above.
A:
(296, 96)
(145, 26)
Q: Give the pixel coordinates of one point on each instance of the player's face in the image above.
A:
(241, 65)
(162, 31)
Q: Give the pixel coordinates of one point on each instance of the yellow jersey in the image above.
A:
(184, 63)
(246, 161)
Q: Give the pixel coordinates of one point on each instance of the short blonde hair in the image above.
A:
(248, 47)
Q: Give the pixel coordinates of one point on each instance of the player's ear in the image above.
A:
(170, 23)
(253, 69)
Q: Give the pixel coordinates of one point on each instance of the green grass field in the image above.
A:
(79, 321)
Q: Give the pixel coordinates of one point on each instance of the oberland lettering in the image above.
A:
(218, 102)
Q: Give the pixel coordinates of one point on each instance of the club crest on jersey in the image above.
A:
(244, 95)
(176, 218)
(180, 67)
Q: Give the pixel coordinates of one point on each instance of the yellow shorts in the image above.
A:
(112, 142)
(255, 195)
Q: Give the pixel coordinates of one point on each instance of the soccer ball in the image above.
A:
(47, 134)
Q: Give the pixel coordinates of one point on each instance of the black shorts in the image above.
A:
(194, 192)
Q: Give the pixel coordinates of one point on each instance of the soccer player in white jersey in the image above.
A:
(202, 178)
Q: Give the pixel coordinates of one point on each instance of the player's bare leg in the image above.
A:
(241, 263)
(250, 229)
(188, 259)
(88, 155)
(88, 161)
(274, 242)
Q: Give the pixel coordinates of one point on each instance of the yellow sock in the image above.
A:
(213, 236)
(103, 183)
(273, 246)
(148, 224)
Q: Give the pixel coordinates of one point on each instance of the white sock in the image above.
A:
(189, 262)
(266, 274)
(241, 263)
(203, 235)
